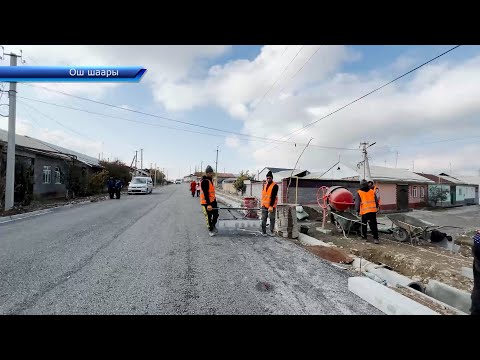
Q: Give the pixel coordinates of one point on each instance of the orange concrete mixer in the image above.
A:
(339, 198)
(335, 199)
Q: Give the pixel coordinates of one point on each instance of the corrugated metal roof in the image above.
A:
(381, 173)
(29, 142)
(25, 141)
(340, 171)
(435, 178)
(468, 179)
(452, 179)
(344, 171)
(280, 175)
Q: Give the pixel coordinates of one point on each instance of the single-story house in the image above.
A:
(472, 180)
(46, 169)
(400, 189)
(458, 191)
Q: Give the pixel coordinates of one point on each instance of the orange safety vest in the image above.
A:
(211, 193)
(367, 202)
(267, 195)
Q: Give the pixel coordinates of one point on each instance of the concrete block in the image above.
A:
(386, 300)
(459, 299)
(324, 231)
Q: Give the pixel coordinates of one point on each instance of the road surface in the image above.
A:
(151, 254)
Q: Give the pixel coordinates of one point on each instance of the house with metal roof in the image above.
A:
(44, 169)
(457, 191)
(400, 189)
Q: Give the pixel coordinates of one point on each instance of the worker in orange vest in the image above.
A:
(366, 205)
(377, 192)
(269, 204)
(209, 201)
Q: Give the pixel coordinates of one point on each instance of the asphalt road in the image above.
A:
(151, 254)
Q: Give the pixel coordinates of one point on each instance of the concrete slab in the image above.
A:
(459, 299)
(467, 272)
(324, 231)
(386, 300)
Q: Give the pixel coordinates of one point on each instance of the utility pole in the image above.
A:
(366, 165)
(201, 166)
(155, 181)
(12, 108)
(141, 158)
(136, 158)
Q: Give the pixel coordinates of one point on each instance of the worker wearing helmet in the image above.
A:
(366, 205)
(209, 201)
(269, 203)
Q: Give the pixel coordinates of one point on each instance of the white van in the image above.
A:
(140, 185)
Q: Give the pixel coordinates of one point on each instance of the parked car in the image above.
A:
(178, 181)
(140, 185)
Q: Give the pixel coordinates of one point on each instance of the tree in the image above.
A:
(118, 170)
(75, 177)
(97, 181)
(437, 193)
(239, 183)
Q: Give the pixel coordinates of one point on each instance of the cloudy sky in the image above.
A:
(429, 117)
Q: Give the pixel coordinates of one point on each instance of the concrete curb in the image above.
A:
(311, 241)
(386, 300)
(25, 215)
(459, 299)
(5, 219)
(228, 201)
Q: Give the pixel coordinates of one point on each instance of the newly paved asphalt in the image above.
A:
(151, 254)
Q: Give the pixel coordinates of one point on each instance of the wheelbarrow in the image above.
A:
(346, 222)
(405, 227)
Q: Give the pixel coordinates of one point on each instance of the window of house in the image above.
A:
(460, 191)
(414, 192)
(47, 174)
(422, 192)
(58, 179)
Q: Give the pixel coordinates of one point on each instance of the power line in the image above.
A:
(138, 112)
(271, 87)
(311, 56)
(255, 138)
(56, 121)
(371, 92)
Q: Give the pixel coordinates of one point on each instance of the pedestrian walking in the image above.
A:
(269, 204)
(209, 201)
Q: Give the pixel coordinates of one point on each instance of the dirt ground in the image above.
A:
(421, 263)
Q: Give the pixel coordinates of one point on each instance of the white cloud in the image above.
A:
(164, 64)
(437, 102)
(238, 84)
(232, 142)
(56, 136)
